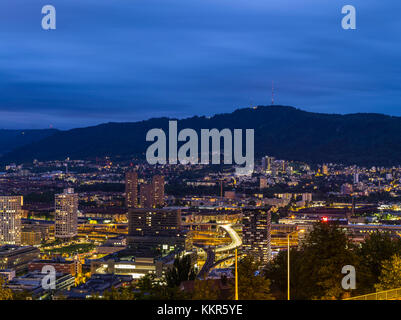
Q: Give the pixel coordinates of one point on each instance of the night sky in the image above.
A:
(129, 60)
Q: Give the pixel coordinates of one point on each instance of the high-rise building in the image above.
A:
(325, 169)
(151, 195)
(158, 190)
(10, 219)
(153, 222)
(66, 214)
(264, 163)
(150, 228)
(283, 165)
(256, 234)
(146, 196)
(131, 189)
(267, 163)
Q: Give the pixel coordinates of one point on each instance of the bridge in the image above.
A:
(235, 239)
(211, 254)
(393, 294)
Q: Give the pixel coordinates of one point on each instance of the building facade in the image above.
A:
(131, 189)
(152, 194)
(156, 229)
(256, 234)
(10, 219)
(17, 258)
(158, 190)
(66, 214)
(146, 196)
(60, 265)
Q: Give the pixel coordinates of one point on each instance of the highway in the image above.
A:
(211, 254)
(235, 239)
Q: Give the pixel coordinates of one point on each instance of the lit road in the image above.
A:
(235, 239)
(211, 254)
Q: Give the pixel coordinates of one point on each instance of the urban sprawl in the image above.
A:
(124, 229)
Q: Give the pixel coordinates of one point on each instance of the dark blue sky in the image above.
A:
(128, 60)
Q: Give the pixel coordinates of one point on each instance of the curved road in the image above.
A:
(235, 239)
(211, 254)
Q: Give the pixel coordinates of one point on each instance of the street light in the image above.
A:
(288, 260)
(236, 275)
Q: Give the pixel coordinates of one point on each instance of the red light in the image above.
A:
(325, 219)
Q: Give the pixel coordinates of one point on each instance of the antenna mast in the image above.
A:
(272, 93)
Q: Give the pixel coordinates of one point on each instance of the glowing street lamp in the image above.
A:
(236, 275)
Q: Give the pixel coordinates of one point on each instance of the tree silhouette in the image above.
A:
(181, 270)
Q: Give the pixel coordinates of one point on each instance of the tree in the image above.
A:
(119, 294)
(5, 293)
(276, 271)
(326, 251)
(149, 288)
(22, 295)
(377, 248)
(205, 290)
(251, 285)
(181, 270)
(316, 266)
(390, 277)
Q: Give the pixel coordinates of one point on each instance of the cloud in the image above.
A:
(126, 60)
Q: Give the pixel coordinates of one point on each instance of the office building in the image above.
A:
(158, 191)
(66, 214)
(32, 229)
(267, 163)
(96, 285)
(283, 166)
(256, 234)
(153, 222)
(60, 265)
(32, 283)
(10, 219)
(31, 238)
(131, 189)
(151, 195)
(122, 263)
(16, 257)
(156, 229)
(146, 195)
(356, 178)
